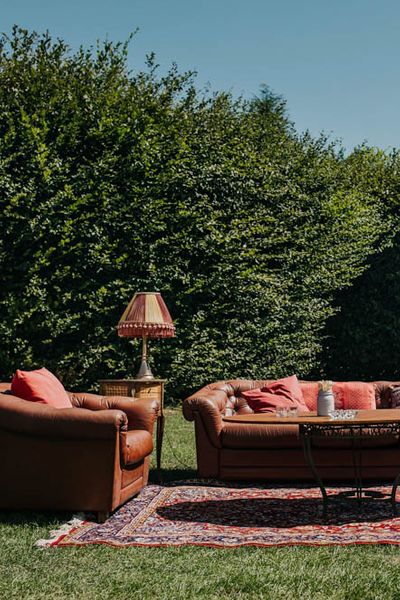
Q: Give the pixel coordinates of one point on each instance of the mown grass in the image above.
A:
(357, 572)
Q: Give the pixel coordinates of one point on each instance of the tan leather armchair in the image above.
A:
(92, 457)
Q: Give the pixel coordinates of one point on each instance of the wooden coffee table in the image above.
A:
(367, 423)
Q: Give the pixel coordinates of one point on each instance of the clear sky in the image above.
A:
(335, 61)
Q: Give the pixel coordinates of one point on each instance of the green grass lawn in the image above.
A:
(359, 572)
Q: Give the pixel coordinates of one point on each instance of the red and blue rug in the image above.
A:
(195, 514)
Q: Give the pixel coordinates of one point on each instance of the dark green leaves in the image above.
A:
(112, 182)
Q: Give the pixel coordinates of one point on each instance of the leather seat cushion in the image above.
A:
(251, 436)
(367, 441)
(260, 436)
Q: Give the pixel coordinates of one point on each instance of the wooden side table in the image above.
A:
(152, 389)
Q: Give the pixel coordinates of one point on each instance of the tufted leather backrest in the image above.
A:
(236, 404)
(382, 392)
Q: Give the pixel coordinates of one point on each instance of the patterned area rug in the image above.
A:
(192, 513)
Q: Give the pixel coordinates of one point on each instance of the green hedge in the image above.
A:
(113, 182)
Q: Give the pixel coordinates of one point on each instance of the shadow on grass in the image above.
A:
(33, 517)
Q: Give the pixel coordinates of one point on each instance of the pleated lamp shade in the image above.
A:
(146, 316)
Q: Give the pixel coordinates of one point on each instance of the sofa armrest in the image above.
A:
(141, 414)
(208, 404)
(35, 419)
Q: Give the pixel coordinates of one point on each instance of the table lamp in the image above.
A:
(146, 316)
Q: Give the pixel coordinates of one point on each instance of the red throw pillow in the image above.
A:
(40, 386)
(283, 392)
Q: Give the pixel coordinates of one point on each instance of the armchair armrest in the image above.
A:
(208, 404)
(33, 418)
(141, 414)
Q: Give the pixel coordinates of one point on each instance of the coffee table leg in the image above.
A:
(393, 495)
(306, 441)
(356, 450)
(396, 481)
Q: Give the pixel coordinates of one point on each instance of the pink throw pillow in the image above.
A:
(283, 392)
(354, 395)
(40, 386)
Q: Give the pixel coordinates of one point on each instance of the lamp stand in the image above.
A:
(144, 371)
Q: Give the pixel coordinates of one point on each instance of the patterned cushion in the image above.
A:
(354, 395)
(310, 393)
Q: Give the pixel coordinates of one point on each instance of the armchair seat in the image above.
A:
(91, 457)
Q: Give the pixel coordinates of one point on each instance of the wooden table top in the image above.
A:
(363, 417)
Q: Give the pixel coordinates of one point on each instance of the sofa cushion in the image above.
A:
(260, 436)
(252, 436)
(283, 392)
(348, 394)
(354, 395)
(309, 390)
(369, 440)
(40, 386)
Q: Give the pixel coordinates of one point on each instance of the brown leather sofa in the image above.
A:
(92, 457)
(239, 451)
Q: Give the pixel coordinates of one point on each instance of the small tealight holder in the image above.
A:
(343, 415)
(286, 411)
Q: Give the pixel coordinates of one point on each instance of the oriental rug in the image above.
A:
(194, 513)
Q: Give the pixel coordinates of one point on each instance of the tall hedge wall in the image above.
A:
(361, 339)
(113, 182)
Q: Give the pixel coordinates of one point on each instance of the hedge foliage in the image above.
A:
(361, 339)
(113, 182)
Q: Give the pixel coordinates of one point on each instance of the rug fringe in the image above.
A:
(56, 534)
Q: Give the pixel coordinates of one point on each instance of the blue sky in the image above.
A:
(335, 61)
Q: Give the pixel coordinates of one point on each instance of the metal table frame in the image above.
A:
(356, 433)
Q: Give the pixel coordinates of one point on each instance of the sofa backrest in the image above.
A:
(236, 404)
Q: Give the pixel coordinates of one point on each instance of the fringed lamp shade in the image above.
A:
(146, 316)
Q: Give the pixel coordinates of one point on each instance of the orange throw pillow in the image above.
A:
(354, 395)
(310, 393)
(40, 386)
(283, 392)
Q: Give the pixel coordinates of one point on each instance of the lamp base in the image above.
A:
(144, 371)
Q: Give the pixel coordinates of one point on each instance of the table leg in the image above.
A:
(306, 441)
(393, 494)
(159, 442)
(356, 451)
(354, 432)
